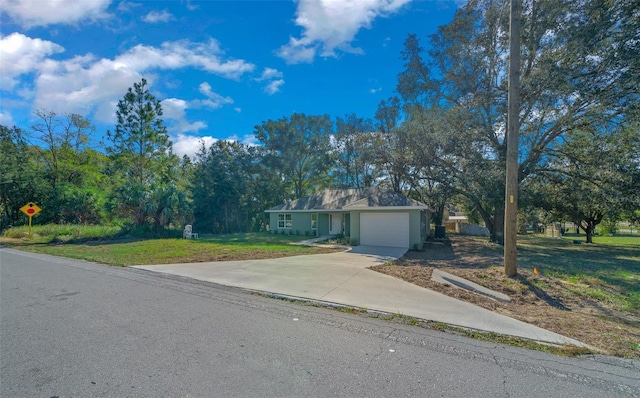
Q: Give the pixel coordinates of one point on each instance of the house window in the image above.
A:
(314, 220)
(284, 220)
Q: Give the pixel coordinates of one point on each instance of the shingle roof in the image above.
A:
(385, 199)
(337, 199)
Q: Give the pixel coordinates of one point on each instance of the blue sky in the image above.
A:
(218, 67)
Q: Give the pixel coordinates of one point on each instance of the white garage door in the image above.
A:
(384, 229)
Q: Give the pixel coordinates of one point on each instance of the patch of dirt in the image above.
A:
(547, 302)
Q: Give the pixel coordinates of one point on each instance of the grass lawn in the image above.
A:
(125, 252)
(607, 270)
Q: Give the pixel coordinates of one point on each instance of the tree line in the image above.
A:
(440, 140)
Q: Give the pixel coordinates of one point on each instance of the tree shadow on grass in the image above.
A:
(438, 251)
(455, 252)
(101, 241)
(541, 294)
(611, 265)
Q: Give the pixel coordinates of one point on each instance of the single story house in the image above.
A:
(368, 216)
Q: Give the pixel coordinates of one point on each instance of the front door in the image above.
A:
(335, 223)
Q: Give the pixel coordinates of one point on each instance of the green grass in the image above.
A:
(492, 337)
(62, 233)
(123, 252)
(607, 270)
(618, 240)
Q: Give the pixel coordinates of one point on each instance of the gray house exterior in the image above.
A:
(368, 216)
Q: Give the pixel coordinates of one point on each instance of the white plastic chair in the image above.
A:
(188, 233)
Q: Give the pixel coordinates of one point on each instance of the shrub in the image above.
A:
(64, 232)
(16, 233)
(609, 226)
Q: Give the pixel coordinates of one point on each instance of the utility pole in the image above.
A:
(513, 127)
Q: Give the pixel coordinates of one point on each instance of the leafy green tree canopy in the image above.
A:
(299, 148)
(143, 165)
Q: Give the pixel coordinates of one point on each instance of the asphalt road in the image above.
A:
(77, 329)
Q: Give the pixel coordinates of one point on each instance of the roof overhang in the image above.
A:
(347, 210)
(309, 211)
(385, 208)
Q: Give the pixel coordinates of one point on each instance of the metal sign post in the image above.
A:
(30, 209)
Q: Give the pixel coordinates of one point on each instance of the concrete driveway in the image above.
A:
(313, 276)
(343, 278)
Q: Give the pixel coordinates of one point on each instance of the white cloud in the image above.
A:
(274, 77)
(127, 6)
(250, 139)
(232, 138)
(20, 54)
(269, 73)
(174, 110)
(6, 119)
(30, 13)
(330, 25)
(86, 84)
(375, 90)
(185, 144)
(158, 16)
(247, 139)
(189, 145)
(183, 53)
(274, 86)
(237, 109)
(192, 7)
(205, 88)
(174, 113)
(297, 51)
(214, 100)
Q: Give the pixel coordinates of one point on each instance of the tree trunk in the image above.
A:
(589, 233)
(497, 235)
(588, 227)
(489, 221)
(438, 215)
(226, 219)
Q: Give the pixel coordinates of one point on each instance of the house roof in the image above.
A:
(346, 199)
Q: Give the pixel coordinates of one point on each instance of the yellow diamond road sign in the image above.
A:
(30, 209)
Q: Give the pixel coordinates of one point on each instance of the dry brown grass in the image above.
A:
(551, 303)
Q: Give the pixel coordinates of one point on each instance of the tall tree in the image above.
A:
(228, 189)
(143, 164)
(64, 138)
(72, 169)
(591, 176)
(355, 150)
(432, 175)
(21, 176)
(392, 146)
(567, 83)
(299, 148)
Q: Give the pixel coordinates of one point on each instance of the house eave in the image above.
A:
(349, 209)
(308, 211)
(384, 208)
